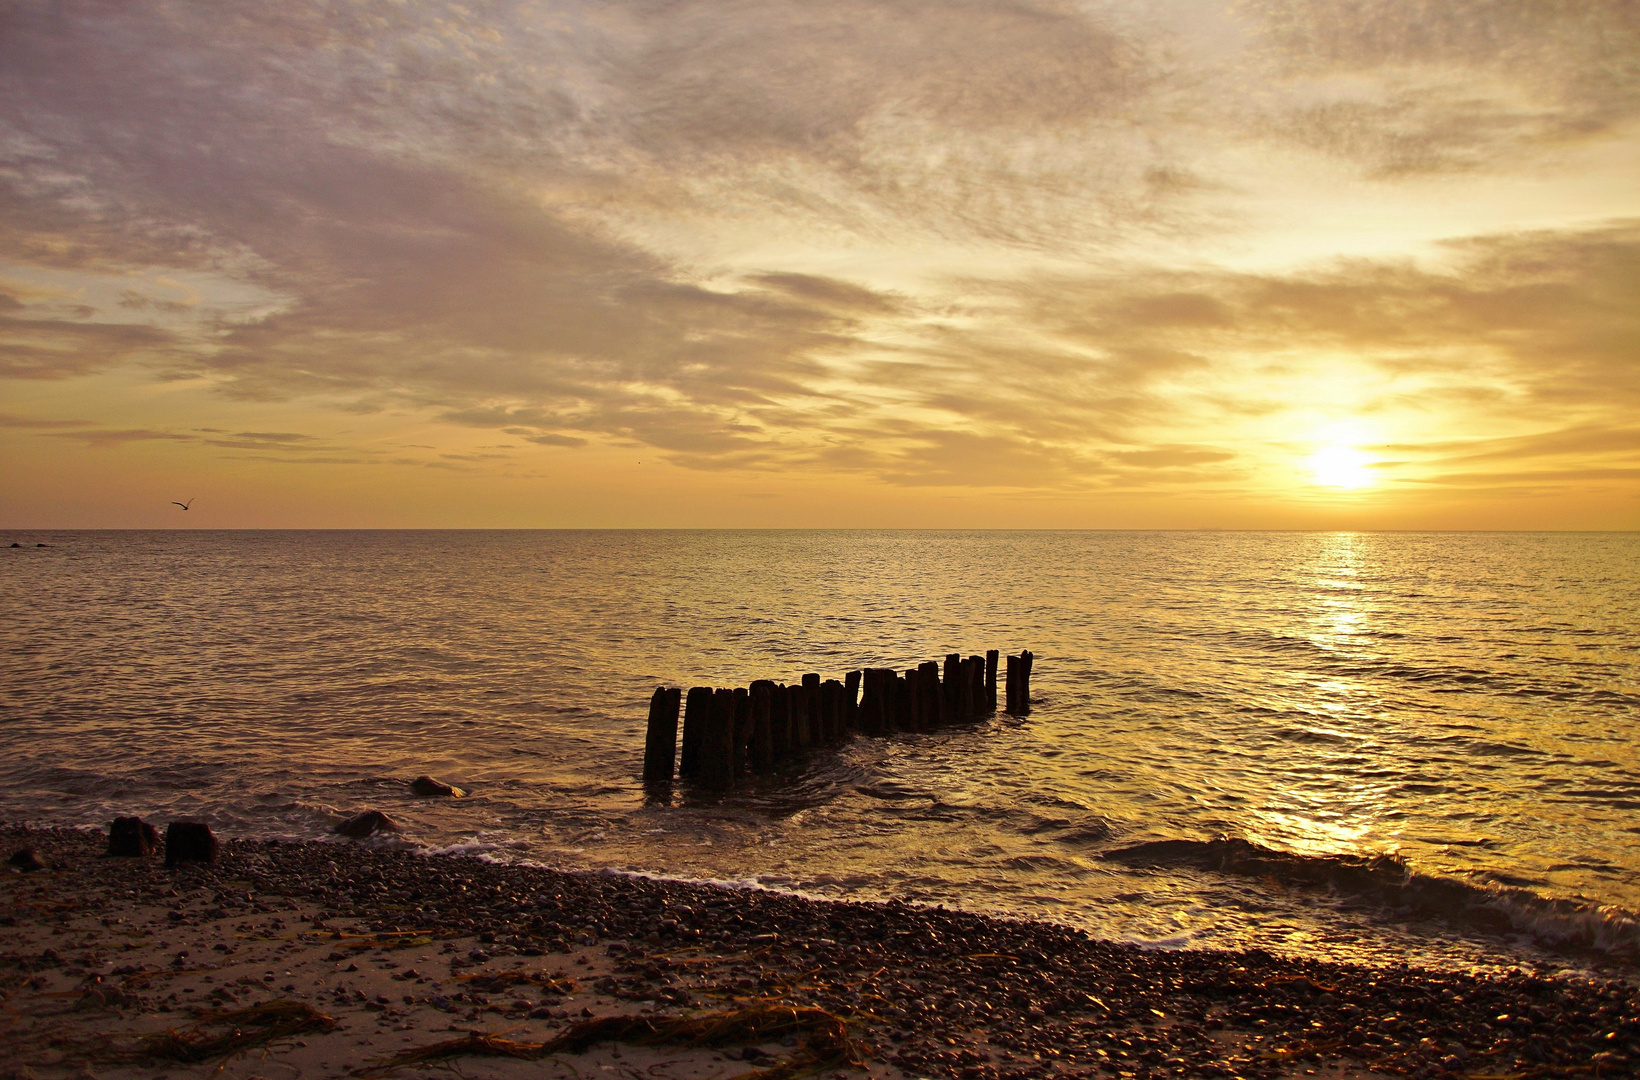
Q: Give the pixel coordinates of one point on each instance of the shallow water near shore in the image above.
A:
(1379, 747)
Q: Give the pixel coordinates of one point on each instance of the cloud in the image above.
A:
(285, 446)
(1429, 86)
(63, 348)
(828, 292)
(263, 440)
(550, 439)
(119, 437)
(485, 214)
(11, 421)
(1548, 315)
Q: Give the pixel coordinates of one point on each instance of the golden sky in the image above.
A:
(1124, 264)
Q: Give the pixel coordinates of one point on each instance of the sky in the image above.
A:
(1331, 264)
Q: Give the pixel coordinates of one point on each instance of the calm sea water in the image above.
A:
(1370, 746)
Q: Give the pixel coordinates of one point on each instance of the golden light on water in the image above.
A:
(1341, 467)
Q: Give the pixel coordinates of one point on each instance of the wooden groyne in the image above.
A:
(731, 734)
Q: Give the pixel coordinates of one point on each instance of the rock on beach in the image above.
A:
(189, 841)
(131, 837)
(367, 824)
(426, 785)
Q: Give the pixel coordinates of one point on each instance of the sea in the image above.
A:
(1387, 748)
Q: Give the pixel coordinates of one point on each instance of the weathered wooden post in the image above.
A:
(797, 699)
(743, 730)
(870, 714)
(904, 695)
(717, 750)
(887, 720)
(965, 688)
(951, 690)
(991, 680)
(976, 681)
(695, 710)
(760, 751)
(817, 717)
(831, 708)
(780, 724)
(851, 701)
(913, 700)
(1019, 683)
(661, 740)
(928, 691)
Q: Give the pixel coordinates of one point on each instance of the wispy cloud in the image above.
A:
(119, 436)
(10, 421)
(922, 244)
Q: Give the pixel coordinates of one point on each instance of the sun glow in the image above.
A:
(1341, 467)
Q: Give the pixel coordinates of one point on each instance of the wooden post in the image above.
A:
(743, 729)
(887, 720)
(976, 685)
(695, 710)
(890, 684)
(831, 707)
(913, 700)
(780, 724)
(797, 699)
(1019, 683)
(904, 690)
(851, 701)
(928, 694)
(991, 680)
(717, 750)
(870, 715)
(951, 690)
(817, 717)
(660, 745)
(760, 750)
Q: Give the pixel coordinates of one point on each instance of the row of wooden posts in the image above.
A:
(747, 731)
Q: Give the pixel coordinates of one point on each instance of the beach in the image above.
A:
(287, 959)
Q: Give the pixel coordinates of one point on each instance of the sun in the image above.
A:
(1341, 467)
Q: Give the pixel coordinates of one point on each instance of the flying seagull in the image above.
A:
(183, 505)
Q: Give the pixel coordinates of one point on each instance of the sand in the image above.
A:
(336, 959)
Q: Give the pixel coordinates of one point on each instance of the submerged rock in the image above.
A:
(189, 841)
(131, 837)
(426, 785)
(366, 824)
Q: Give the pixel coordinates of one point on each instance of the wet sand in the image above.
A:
(330, 959)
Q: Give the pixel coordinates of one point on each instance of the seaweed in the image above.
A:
(824, 1041)
(245, 1028)
(491, 982)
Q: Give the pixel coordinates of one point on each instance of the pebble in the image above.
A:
(936, 993)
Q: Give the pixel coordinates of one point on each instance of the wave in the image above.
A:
(1561, 925)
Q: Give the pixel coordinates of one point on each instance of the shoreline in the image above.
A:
(394, 951)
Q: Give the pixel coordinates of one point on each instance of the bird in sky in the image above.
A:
(183, 505)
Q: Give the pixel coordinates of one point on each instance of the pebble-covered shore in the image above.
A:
(925, 992)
